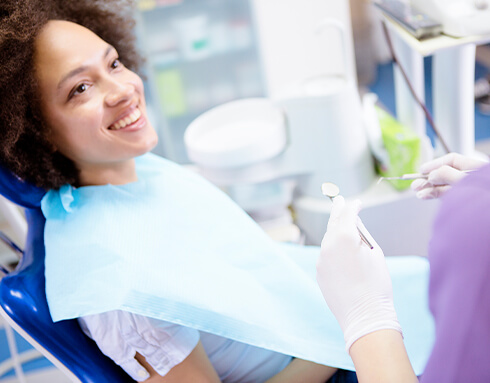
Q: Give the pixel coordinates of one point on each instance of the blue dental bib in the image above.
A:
(172, 246)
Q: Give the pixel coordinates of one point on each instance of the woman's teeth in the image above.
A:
(123, 122)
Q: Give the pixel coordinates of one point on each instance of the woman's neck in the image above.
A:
(113, 173)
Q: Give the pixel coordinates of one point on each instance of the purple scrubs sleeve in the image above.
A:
(459, 292)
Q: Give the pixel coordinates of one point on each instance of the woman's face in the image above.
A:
(94, 106)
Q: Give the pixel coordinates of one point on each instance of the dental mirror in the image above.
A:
(330, 190)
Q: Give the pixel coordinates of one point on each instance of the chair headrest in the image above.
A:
(19, 192)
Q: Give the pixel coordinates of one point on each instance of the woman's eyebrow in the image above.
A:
(82, 68)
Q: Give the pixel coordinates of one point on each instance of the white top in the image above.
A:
(120, 334)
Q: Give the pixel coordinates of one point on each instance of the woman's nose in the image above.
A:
(119, 92)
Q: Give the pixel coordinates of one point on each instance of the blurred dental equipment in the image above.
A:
(459, 18)
(331, 191)
(272, 154)
(310, 130)
(410, 18)
(466, 24)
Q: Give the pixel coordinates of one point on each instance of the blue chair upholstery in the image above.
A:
(22, 297)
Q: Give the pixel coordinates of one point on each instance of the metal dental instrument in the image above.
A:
(331, 191)
(413, 176)
(405, 177)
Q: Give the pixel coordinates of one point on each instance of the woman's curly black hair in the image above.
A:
(25, 147)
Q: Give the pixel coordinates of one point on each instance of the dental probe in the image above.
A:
(414, 176)
(331, 191)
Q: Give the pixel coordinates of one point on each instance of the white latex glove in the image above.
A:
(354, 279)
(443, 172)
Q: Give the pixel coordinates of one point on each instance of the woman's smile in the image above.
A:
(129, 121)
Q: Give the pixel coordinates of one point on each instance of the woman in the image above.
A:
(73, 112)
(459, 286)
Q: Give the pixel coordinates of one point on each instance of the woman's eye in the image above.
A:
(79, 89)
(115, 64)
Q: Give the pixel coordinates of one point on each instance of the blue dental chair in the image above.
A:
(23, 301)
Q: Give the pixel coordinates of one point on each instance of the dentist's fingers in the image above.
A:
(445, 175)
(419, 184)
(342, 222)
(433, 192)
(366, 233)
(349, 214)
(454, 160)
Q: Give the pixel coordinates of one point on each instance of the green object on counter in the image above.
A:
(171, 92)
(402, 146)
(146, 5)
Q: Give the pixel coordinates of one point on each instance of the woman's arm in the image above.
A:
(300, 370)
(196, 368)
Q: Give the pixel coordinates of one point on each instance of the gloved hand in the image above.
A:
(354, 279)
(443, 172)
